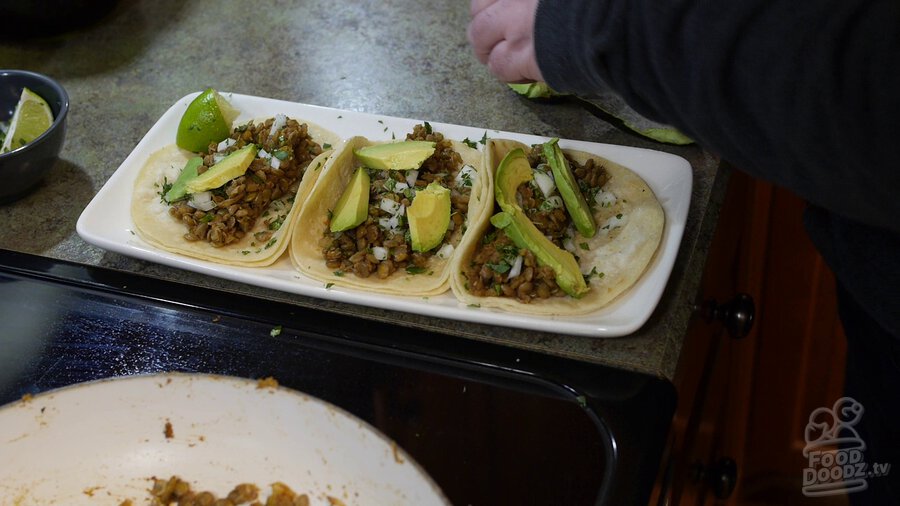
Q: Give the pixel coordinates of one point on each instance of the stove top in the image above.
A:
(490, 424)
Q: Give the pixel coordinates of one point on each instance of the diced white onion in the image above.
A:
(394, 221)
(262, 153)
(379, 252)
(612, 224)
(202, 201)
(445, 252)
(218, 157)
(516, 268)
(278, 124)
(389, 223)
(389, 206)
(227, 143)
(399, 187)
(545, 182)
(605, 199)
(617, 221)
(274, 162)
(569, 245)
(411, 176)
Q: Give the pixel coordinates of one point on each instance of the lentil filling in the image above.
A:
(381, 244)
(276, 172)
(499, 268)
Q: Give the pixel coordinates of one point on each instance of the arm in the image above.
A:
(799, 93)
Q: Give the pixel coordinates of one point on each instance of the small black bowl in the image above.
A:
(23, 168)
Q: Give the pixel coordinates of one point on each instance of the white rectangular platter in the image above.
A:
(106, 221)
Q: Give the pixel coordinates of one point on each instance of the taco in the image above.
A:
(236, 203)
(388, 217)
(542, 251)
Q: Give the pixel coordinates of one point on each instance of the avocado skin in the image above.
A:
(352, 207)
(578, 208)
(179, 189)
(428, 233)
(513, 171)
(403, 155)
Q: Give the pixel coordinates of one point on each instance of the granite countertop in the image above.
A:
(395, 58)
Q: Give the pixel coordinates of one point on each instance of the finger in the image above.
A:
(484, 32)
(479, 5)
(512, 62)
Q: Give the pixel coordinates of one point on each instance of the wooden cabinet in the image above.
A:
(744, 402)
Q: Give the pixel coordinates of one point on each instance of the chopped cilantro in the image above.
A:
(471, 144)
(339, 273)
(412, 269)
(500, 268)
(428, 129)
(165, 188)
(326, 146)
(584, 246)
(276, 223)
(592, 274)
(582, 401)
(328, 285)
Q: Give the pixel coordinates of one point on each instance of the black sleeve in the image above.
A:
(804, 94)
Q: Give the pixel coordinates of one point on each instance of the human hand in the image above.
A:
(501, 33)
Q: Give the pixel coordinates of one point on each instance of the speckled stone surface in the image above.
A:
(393, 57)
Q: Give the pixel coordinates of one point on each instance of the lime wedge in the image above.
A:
(207, 119)
(31, 118)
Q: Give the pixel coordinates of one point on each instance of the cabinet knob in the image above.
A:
(736, 315)
(721, 476)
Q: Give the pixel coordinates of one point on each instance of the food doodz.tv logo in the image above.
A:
(835, 452)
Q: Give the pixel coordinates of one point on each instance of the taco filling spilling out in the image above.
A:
(389, 216)
(382, 244)
(569, 232)
(501, 268)
(231, 203)
(226, 214)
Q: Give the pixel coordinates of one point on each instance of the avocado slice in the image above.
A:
(228, 168)
(403, 155)
(513, 171)
(178, 190)
(578, 208)
(353, 206)
(429, 217)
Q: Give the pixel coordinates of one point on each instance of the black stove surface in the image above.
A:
(490, 424)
